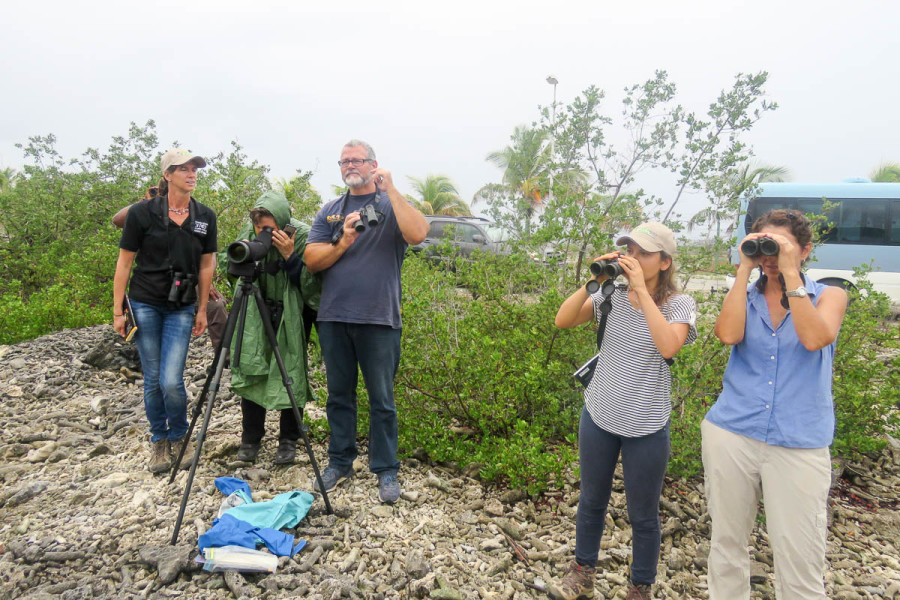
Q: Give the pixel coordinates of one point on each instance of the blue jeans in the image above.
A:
(163, 337)
(644, 461)
(376, 351)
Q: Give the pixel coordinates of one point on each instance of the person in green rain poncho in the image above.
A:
(287, 287)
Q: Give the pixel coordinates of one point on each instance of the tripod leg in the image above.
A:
(288, 386)
(218, 358)
(212, 387)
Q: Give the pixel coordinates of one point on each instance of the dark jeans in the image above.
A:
(163, 338)
(644, 461)
(253, 421)
(375, 350)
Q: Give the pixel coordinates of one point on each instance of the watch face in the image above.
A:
(800, 292)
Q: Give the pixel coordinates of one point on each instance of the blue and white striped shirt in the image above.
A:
(630, 393)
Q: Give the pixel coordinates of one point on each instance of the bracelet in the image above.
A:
(121, 315)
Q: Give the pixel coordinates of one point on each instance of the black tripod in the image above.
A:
(248, 273)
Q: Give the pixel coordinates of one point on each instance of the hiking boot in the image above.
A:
(576, 584)
(188, 458)
(638, 591)
(332, 476)
(287, 450)
(160, 461)
(248, 452)
(388, 487)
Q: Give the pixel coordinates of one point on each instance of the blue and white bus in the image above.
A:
(865, 228)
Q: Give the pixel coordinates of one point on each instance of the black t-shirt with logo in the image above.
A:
(165, 248)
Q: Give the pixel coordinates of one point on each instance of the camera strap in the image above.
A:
(605, 307)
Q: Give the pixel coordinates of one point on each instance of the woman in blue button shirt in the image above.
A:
(768, 434)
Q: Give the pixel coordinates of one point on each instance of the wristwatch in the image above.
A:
(800, 292)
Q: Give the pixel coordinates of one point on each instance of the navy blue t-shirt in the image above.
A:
(363, 286)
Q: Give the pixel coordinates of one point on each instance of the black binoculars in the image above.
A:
(764, 245)
(611, 268)
(181, 291)
(367, 216)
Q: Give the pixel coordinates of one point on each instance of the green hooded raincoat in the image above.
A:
(258, 378)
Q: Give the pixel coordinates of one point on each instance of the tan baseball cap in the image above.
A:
(179, 156)
(651, 237)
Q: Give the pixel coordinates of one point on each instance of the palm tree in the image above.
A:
(437, 195)
(526, 166)
(886, 173)
(8, 178)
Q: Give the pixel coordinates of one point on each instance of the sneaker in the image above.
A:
(160, 461)
(248, 452)
(638, 591)
(287, 450)
(576, 584)
(188, 458)
(388, 487)
(332, 476)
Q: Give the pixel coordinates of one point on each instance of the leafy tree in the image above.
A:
(437, 195)
(305, 201)
(713, 151)
(588, 209)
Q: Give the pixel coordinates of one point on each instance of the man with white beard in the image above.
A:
(359, 313)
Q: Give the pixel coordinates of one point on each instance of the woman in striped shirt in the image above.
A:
(627, 404)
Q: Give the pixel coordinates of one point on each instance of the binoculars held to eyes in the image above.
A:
(765, 246)
(611, 268)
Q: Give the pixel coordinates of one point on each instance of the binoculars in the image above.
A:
(367, 216)
(765, 246)
(611, 268)
(181, 290)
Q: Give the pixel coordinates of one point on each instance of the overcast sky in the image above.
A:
(435, 87)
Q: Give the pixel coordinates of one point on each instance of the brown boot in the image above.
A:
(576, 584)
(188, 457)
(638, 591)
(160, 461)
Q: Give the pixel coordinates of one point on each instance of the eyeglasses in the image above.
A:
(356, 162)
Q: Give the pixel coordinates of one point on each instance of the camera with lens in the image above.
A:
(181, 290)
(611, 268)
(252, 251)
(367, 216)
(765, 246)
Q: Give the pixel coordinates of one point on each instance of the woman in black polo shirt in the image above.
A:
(172, 240)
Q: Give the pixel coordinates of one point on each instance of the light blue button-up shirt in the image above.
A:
(775, 390)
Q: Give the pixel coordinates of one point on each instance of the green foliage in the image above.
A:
(58, 247)
(866, 373)
(485, 376)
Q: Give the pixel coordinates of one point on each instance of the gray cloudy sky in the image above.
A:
(436, 86)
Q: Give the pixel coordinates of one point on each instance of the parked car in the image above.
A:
(465, 233)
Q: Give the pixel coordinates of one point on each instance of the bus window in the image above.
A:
(895, 221)
(863, 222)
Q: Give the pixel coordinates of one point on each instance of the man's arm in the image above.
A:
(119, 218)
(411, 221)
(318, 256)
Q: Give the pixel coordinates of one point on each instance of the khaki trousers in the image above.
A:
(794, 483)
